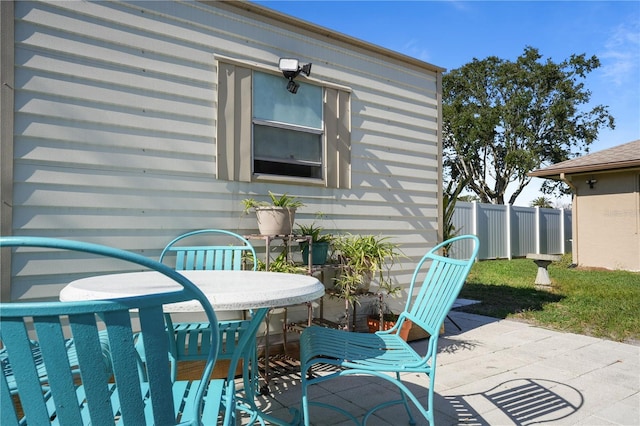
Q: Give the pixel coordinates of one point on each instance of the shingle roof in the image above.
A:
(619, 157)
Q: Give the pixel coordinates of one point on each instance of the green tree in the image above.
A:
(542, 202)
(468, 198)
(450, 196)
(503, 119)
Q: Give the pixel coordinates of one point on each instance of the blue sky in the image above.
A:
(451, 33)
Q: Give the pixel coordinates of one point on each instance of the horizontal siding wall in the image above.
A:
(115, 107)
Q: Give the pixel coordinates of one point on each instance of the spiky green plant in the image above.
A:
(316, 233)
(363, 257)
(282, 264)
(284, 200)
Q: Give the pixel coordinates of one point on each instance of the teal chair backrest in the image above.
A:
(230, 253)
(95, 397)
(194, 251)
(439, 279)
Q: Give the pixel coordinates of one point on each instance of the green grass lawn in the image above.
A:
(593, 302)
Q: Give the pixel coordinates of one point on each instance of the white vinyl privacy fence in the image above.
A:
(507, 231)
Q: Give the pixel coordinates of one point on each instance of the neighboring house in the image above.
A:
(606, 206)
(128, 123)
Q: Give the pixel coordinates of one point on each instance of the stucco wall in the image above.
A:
(607, 220)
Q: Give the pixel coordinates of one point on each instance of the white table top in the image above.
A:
(226, 290)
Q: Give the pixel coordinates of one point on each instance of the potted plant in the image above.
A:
(361, 258)
(275, 217)
(321, 244)
(282, 264)
(381, 318)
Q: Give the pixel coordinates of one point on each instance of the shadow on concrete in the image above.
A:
(523, 401)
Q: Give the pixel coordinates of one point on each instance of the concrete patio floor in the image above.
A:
(495, 372)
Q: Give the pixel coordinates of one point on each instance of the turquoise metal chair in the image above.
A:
(231, 252)
(7, 370)
(98, 395)
(385, 354)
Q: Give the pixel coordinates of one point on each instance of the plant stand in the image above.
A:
(287, 240)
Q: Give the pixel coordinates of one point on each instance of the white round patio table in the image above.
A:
(225, 290)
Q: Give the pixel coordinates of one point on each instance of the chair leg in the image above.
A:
(284, 332)
(412, 421)
(265, 388)
(405, 394)
(305, 404)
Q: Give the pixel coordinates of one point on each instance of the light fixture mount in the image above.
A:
(291, 68)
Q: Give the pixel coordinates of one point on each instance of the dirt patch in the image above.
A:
(591, 268)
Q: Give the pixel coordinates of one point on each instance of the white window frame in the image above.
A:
(234, 127)
(314, 170)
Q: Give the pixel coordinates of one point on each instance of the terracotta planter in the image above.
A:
(374, 325)
(274, 220)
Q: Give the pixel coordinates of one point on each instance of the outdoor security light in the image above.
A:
(292, 86)
(290, 69)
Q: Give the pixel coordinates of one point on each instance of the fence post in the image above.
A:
(537, 230)
(562, 247)
(508, 233)
(474, 215)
